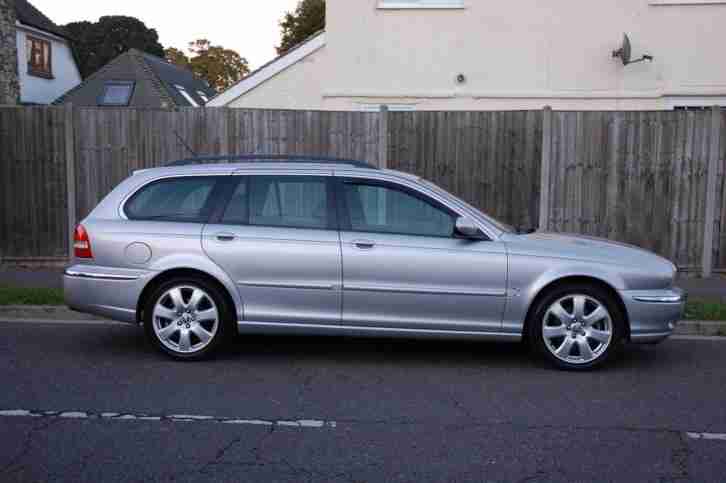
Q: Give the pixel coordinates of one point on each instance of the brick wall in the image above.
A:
(9, 86)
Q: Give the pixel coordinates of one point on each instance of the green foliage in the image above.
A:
(176, 56)
(706, 310)
(308, 18)
(220, 67)
(30, 296)
(96, 44)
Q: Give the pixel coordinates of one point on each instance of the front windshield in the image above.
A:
(497, 224)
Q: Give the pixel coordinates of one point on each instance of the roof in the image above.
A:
(31, 16)
(312, 44)
(270, 158)
(171, 75)
(155, 80)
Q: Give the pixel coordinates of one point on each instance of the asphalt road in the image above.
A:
(95, 403)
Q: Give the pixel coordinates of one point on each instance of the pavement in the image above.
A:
(91, 401)
(709, 288)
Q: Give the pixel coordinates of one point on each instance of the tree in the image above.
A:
(96, 44)
(308, 18)
(176, 56)
(220, 67)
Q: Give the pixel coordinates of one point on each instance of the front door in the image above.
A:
(404, 267)
(277, 238)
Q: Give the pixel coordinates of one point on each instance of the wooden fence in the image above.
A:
(654, 179)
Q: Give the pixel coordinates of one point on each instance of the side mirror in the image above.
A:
(468, 229)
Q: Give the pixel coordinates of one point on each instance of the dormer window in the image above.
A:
(420, 4)
(39, 57)
(181, 90)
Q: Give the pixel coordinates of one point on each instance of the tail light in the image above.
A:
(81, 243)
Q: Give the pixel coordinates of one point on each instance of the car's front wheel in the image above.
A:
(577, 327)
(186, 318)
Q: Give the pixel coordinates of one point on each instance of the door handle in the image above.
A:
(364, 244)
(225, 237)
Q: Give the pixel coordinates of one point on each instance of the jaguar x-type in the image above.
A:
(205, 249)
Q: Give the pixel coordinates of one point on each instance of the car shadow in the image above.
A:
(314, 350)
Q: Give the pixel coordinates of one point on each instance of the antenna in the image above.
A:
(181, 140)
(625, 52)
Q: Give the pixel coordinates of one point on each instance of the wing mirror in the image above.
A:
(466, 228)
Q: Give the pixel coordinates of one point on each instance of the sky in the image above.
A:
(248, 26)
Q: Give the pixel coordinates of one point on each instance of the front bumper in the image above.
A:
(107, 292)
(653, 314)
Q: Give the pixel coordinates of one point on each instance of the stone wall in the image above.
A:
(9, 86)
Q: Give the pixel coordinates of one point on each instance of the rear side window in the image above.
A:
(174, 199)
(280, 201)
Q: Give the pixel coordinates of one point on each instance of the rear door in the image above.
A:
(405, 268)
(277, 238)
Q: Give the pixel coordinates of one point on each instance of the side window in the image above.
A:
(386, 209)
(280, 201)
(174, 199)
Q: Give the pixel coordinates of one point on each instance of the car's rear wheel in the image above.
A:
(577, 327)
(186, 318)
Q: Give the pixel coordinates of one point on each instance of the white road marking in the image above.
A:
(709, 436)
(177, 418)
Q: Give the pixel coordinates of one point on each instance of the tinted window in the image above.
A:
(385, 209)
(285, 201)
(177, 199)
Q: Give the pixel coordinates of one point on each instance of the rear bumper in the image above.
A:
(653, 314)
(107, 292)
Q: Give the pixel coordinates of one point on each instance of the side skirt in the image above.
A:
(271, 328)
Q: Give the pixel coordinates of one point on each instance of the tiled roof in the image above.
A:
(29, 15)
(155, 82)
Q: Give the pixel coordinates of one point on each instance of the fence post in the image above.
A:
(545, 186)
(69, 129)
(383, 138)
(611, 213)
(709, 219)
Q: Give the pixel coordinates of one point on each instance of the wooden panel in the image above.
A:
(489, 159)
(33, 205)
(637, 177)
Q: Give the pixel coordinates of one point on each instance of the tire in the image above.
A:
(187, 318)
(577, 327)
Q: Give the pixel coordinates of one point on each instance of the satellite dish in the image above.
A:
(625, 51)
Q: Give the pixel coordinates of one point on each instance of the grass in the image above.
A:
(695, 309)
(30, 296)
(706, 310)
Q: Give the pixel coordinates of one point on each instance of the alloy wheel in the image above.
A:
(577, 329)
(185, 319)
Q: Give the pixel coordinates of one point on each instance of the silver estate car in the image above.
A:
(202, 250)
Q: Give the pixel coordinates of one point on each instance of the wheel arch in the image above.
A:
(172, 273)
(575, 279)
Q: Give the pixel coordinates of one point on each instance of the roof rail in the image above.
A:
(268, 158)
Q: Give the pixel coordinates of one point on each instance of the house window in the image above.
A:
(203, 96)
(186, 95)
(403, 4)
(116, 93)
(39, 57)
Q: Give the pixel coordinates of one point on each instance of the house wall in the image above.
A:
(297, 87)
(9, 85)
(515, 55)
(38, 90)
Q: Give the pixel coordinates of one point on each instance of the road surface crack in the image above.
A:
(25, 448)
